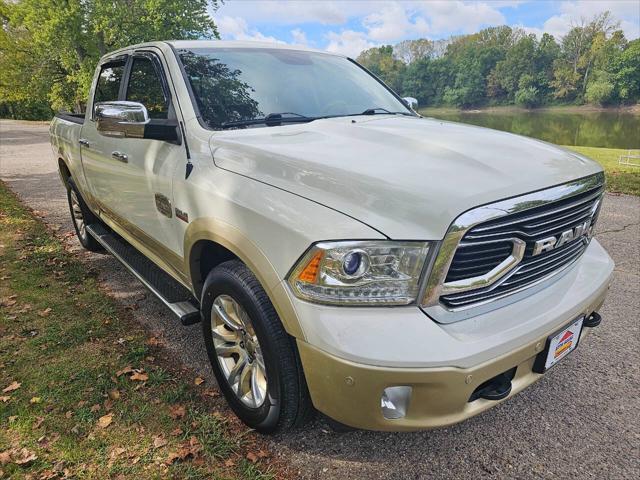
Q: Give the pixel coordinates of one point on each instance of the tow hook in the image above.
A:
(498, 388)
(495, 388)
(592, 320)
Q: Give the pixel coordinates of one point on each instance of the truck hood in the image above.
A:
(406, 177)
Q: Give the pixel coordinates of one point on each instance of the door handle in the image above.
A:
(83, 142)
(121, 157)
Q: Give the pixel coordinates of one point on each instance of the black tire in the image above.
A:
(287, 403)
(78, 208)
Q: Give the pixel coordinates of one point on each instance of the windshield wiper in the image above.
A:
(271, 120)
(382, 111)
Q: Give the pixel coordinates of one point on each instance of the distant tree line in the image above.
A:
(593, 63)
(50, 48)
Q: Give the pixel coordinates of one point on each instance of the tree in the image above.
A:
(410, 51)
(382, 62)
(600, 90)
(519, 60)
(49, 48)
(528, 94)
(579, 49)
(427, 79)
(625, 69)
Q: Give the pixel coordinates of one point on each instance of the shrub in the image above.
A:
(527, 97)
(600, 91)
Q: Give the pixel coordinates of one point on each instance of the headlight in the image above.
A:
(360, 272)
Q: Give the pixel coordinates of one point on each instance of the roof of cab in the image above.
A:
(210, 44)
(241, 44)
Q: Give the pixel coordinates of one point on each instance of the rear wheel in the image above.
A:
(254, 360)
(81, 216)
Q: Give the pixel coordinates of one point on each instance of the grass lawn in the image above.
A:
(620, 178)
(84, 393)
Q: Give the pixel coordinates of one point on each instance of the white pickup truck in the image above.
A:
(343, 253)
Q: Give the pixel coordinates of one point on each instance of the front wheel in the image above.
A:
(254, 360)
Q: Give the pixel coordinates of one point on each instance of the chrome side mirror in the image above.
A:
(121, 119)
(412, 102)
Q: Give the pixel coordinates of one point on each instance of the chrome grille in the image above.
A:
(485, 245)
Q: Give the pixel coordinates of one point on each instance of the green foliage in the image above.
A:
(625, 69)
(600, 91)
(49, 48)
(382, 62)
(502, 65)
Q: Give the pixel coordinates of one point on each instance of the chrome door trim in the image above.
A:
(435, 285)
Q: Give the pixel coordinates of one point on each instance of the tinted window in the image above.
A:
(145, 87)
(250, 83)
(108, 84)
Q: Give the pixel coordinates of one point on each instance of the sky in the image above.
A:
(350, 26)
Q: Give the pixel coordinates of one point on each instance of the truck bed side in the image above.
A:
(64, 133)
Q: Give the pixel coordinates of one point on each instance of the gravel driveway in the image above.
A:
(580, 421)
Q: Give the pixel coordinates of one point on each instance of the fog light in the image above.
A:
(395, 402)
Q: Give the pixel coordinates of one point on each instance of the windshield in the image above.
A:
(233, 85)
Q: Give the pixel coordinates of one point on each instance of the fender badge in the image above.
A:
(182, 215)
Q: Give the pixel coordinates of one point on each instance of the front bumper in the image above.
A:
(349, 390)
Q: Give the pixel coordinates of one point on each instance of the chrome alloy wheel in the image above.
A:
(78, 217)
(238, 351)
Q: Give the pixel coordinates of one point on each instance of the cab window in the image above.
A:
(108, 85)
(145, 87)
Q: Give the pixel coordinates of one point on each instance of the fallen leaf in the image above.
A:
(13, 418)
(95, 408)
(211, 393)
(24, 457)
(139, 376)
(68, 414)
(45, 312)
(48, 475)
(5, 399)
(127, 369)
(177, 432)
(262, 454)
(14, 386)
(187, 450)
(105, 421)
(153, 341)
(159, 441)
(114, 394)
(230, 462)
(5, 457)
(115, 453)
(35, 400)
(252, 457)
(38, 422)
(176, 411)
(199, 381)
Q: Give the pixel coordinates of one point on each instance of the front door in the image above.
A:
(132, 178)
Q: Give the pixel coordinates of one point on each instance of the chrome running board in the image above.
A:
(170, 292)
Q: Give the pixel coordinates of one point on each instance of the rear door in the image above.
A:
(132, 177)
